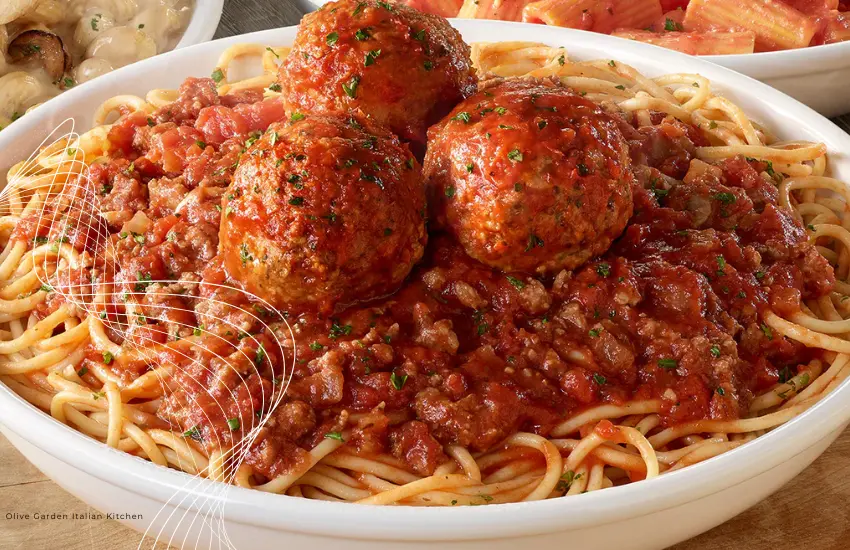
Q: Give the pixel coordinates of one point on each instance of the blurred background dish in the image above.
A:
(49, 46)
(801, 47)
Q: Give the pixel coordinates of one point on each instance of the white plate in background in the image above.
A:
(818, 76)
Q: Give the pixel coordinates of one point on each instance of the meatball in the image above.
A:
(401, 67)
(323, 211)
(529, 176)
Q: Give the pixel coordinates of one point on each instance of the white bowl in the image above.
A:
(645, 515)
(818, 76)
(203, 23)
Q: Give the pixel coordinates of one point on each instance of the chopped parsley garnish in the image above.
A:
(462, 116)
(334, 435)
(620, 87)
(533, 242)
(260, 356)
(612, 63)
(670, 25)
(398, 382)
(332, 38)
(760, 275)
(721, 266)
(197, 331)
(715, 350)
(541, 124)
(194, 433)
(517, 283)
(712, 126)
(767, 331)
(362, 35)
(296, 116)
(419, 35)
(582, 169)
(217, 76)
(350, 88)
(138, 238)
(233, 424)
(470, 167)
(82, 372)
(500, 110)
(599, 379)
(386, 5)
(720, 391)
(338, 330)
(371, 57)
(359, 9)
(562, 60)
(567, 480)
(46, 288)
(275, 87)
(428, 65)
(515, 155)
(201, 144)
(94, 21)
(603, 269)
(450, 191)
(244, 255)
(315, 346)
(725, 198)
(668, 364)
(593, 333)
(69, 82)
(144, 281)
(107, 357)
(296, 201)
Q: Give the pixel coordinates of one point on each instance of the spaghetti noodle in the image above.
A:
(63, 318)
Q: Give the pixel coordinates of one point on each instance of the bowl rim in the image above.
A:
(203, 23)
(287, 514)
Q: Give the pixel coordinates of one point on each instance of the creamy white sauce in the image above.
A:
(98, 35)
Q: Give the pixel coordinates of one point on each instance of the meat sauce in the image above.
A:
(463, 353)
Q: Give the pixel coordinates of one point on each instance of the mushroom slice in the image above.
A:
(43, 47)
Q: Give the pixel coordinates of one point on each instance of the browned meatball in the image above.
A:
(323, 211)
(401, 67)
(529, 176)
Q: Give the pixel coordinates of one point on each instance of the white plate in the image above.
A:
(818, 76)
(645, 515)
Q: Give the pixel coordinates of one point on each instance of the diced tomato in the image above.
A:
(121, 133)
(172, 148)
(219, 123)
(248, 95)
(260, 115)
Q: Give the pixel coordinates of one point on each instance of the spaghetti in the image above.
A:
(64, 317)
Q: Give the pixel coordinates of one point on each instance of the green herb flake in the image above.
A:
(107, 357)
(668, 364)
(515, 155)
(517, 283)
(371, 57)
(350, 88)
(599, 379)
(397, 381)
(332, 38)
(334, 435)
(233, 424)
(463, 116)
(217, 76)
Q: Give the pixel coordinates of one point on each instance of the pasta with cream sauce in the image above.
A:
(47, 46)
